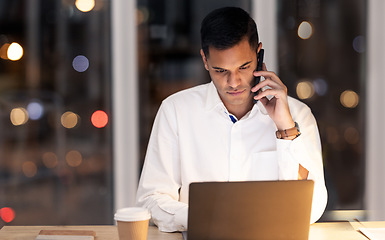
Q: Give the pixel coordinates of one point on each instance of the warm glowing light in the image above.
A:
(305, 30)
(19, 116)
(50, 159)
(305, 90)
(69, 119)
(74, 158)
(7, 214)
(142, 15)
(349, 99)
(85, 5)
(35, 110)
(29, 169)
(15, 51)
(351, 135)
(80, 63)
(99, 119)
(4, 50)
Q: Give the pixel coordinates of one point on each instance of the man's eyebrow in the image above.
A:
(246, 63)
(218, 68)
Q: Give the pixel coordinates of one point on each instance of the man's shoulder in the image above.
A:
(190, 95)
(297, 106)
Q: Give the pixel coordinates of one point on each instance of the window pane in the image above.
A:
(321, 46)
(55, 148)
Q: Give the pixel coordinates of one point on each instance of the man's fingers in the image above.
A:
(267, 83)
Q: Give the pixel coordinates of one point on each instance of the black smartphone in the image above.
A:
(259, 68)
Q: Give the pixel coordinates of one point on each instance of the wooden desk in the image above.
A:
(318, 231)
(102, 232)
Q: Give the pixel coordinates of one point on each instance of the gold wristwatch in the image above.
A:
(294, 131)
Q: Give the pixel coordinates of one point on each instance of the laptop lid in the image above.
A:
(250, 210)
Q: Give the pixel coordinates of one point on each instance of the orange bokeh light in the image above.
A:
(99, 119)
(7, 214)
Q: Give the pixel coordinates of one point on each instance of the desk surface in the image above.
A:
(318, 231)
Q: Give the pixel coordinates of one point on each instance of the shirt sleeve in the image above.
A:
(304, 150)
(160, 182)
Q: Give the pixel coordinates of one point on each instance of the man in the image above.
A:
(215, 132)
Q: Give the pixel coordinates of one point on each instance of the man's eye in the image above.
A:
(245, 67)
(220, 70)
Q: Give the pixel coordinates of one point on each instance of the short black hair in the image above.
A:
(223, 28)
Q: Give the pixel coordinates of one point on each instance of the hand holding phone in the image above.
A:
(259, 68)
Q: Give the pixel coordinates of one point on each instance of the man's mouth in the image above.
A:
(236, 93)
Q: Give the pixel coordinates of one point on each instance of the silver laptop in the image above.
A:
(250, 210)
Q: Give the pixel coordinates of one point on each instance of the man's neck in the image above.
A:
(239, 111)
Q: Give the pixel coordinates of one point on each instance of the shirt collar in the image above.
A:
(212, 98)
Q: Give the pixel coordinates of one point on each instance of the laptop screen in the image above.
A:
(250, 210)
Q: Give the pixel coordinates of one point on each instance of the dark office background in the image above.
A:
(56, 163)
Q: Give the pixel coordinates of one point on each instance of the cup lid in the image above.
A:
(132, 214)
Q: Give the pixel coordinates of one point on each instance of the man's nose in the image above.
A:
(234, 80)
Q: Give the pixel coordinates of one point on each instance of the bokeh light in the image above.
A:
(19, 116)
(50, 160)
(351, 135)
(320, 86)
(349, 99)
(305, 30)
(99, 119)
(80, 63)
(359, 44)
(69, 119)
(7, 214)
(15, 51)
(305, 90)
(85, 5)
(74, 158)
(4, 50)
(29, 169)
(142, 15)
(35, 110)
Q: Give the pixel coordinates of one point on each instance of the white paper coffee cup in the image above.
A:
(132, 223)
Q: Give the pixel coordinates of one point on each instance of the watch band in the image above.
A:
(294, 131)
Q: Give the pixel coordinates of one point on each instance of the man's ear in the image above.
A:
(204, 59)
(259, 47)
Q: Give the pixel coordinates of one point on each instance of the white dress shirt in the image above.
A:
(194, 140)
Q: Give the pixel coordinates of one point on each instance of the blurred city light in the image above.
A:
(99, 119)
(35, 110)
(142, 15)
(50, 160)
(351, 135)
(305, 30)
(349, 99)
(14, 52)
(320, 86)
(85, 5)
(359, 44)
(7, 214)
(74, 158)
(80, 63)
(305, 90)
(19, 116)
(29, 169)
(69, 119)
(4, 50)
